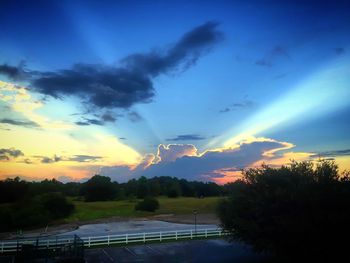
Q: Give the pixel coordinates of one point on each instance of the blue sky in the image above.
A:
(212, 74)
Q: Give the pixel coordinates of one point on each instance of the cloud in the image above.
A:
(339, 50)
(245, 104)
(9, 153)
(80, 158)
(219, 165)
(187, 137)
(54, 159)
(84, 158)
(334, 153)
(109, 87)
(27, 123)
(134, 116)
(171, 152)
(186, 52)
(15, 72)
(87, 122)
(272, 55)
(99, 120)
(108, 117)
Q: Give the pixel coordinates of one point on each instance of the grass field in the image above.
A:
(85, 211)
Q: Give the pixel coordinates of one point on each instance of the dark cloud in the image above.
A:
(272, 55)
(97, 119)
(98, 85)
(225, 110)
(27, 124)
(245, 104)
(15, 72)
(134, 116)
(281, 76)
(108, 117)
(187, 137)
(263, 62)
(54, 159)
(84, 158)
(87, 122)
(184, 53)
(9, 153)
(332, 153)
(103, 86)
(122, 138)
(27, 161)
(339, 50)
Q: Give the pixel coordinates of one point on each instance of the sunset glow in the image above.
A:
(201, 98)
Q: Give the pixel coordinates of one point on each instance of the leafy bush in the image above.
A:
(295, 212)
(149, 204)
(57, 205)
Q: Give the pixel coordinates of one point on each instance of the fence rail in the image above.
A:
(59, 241)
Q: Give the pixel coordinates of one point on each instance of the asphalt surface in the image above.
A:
(214, 250)
(132, 226)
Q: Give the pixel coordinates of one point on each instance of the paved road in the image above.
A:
(132, 226)
(201, 251)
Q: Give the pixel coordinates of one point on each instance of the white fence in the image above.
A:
(61, 241)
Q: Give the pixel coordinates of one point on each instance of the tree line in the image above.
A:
(100, 188)
(31, 204)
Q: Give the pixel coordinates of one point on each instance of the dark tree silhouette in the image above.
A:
(296, 212)
(99, 188)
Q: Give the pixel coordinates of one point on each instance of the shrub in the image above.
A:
(149, 204)
(57, 205)
(295, 212)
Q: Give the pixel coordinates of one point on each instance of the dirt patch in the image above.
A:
(188, 219)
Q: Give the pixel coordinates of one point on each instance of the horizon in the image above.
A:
(136, 89)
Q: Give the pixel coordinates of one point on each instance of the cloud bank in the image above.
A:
(109, 87)
(184, 161)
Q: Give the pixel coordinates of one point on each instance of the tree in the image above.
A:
(143, 188)
(174, 189)
(99, 188)
(12, 190)
(295, 212)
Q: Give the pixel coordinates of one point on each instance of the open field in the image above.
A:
(88, 211)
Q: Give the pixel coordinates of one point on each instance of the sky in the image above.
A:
(193, 89)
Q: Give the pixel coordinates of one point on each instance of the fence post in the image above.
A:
(206, 233)
(2, 247)
(108, 240)
(126, 238)
(220, 232)
(175, 235)
(144, 237)
(191, 233)
(160, 236)
(89, 241)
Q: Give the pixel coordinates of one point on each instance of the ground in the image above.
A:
(87, 211)
(217, 250)
(133, 226)
(175, 210)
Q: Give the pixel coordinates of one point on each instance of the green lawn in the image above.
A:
(183, 205)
